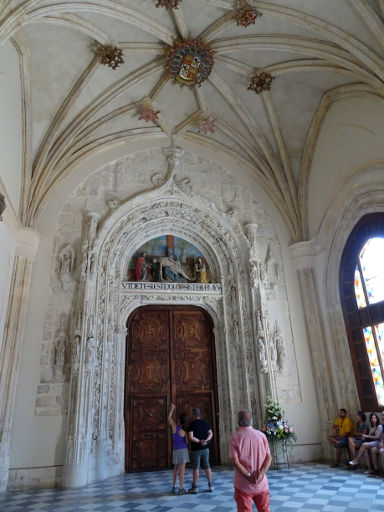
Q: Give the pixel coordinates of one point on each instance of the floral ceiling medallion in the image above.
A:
(260, 82)
(110, 55)
(206, 125)
(168, 4)
(246, 14)
(149, 115)
(190, 62)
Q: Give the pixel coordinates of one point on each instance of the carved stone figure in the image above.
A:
(279, 349)
(113, 203)
(271, 268)
(89, 350)
(200, 270)
(75, 357)
(170, 268)
(67, 258)
(273, 355)
(61, 342)
(262, 355)
(87, 264)
(141, 268)
(174, 155)
(92, 259)
(251, 234)
(92, 222)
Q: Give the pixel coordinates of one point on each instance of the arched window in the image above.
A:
(362, 298)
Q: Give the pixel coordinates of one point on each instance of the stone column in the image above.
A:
(261, 328)
(26, 249)
(303, 259)
(76, 471)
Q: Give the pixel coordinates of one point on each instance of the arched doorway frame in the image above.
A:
(95, 435)
(214, 413)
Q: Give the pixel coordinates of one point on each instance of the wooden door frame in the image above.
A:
(215, 413)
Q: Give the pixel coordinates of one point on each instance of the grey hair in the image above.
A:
(244, 418)
(196, 412)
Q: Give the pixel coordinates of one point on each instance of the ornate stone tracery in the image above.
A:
(96, 437)
(106, 240)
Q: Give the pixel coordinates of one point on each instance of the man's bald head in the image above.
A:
(244, 418)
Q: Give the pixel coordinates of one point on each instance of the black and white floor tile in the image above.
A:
(306, 488)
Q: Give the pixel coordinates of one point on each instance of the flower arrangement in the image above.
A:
(276, 427)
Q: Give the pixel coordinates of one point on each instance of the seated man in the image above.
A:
(341, 431)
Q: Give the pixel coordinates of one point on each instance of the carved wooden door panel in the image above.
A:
(147, 390)
(170, 358)
(194, 368)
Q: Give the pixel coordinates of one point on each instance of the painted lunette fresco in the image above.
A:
(168, 258)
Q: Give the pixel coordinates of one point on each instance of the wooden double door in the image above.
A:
(170, 359)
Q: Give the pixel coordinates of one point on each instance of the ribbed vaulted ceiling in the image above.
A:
(317, 50)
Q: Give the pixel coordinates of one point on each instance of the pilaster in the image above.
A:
(303, 256)
(26, 249)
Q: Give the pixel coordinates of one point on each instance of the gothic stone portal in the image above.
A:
(170, 359)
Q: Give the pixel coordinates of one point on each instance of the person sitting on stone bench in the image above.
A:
(355, 441)
(378, 450)
(341, 431)
(370, 440)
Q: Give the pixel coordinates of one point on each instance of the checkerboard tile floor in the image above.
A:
(307, 488)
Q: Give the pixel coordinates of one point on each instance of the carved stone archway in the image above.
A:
(95, 434)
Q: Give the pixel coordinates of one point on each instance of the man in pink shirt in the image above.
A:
(249, 450)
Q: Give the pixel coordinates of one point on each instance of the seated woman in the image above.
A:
(355, 441)
(379, 449)
(370, 440)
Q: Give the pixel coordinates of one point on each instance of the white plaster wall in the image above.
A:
(10, 123)
(351, 137)
(38, 440)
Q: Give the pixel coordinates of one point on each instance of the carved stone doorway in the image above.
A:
(170, 359)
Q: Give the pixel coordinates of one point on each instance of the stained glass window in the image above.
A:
(359, 291)
(371, 288)
(379, 329)
(377, 375)
(371, 260)
(362, 280)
